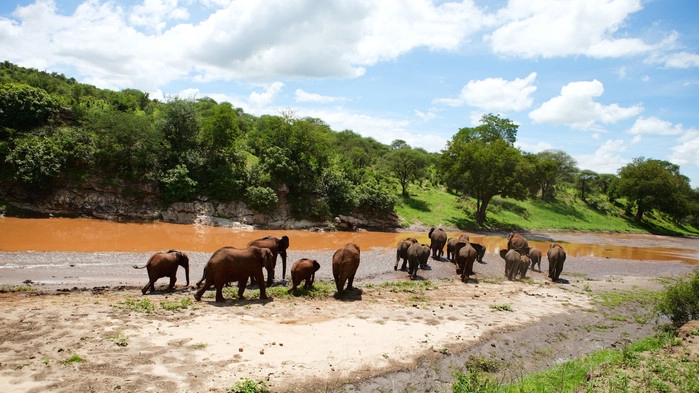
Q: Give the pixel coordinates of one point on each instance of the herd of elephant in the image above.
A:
(229, 264)
(518, 255)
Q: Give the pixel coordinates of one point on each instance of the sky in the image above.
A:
(605, 81)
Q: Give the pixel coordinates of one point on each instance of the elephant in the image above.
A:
(451, 246)
(515, 241)
(278, 246)
(164, 264)
(418, 254)
(535, 255)
(556, 256)
(438, 238)
(465, 256)
(402, 252)
(480, 251)
(303, 269)
(515, 263)
(345, 264)
(235, 264)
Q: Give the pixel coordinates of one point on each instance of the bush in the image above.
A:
(261, 199)
(177, 186)
(680, 300)
(23, 107)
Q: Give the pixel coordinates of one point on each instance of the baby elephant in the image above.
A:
(303, 269)
(164, 264)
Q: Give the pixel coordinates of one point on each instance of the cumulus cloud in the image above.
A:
(685, 153)
(653, 126)
(676, 60)
(154, 14)
(606, 159)
(303, 96)
(266, 97)
(575, 107)
(550, 28)
(495, 94)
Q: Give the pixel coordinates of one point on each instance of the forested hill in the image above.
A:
(57, 134)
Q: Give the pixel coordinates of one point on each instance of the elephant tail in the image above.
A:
(139, 267)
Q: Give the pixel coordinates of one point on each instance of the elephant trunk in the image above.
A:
(186, 274)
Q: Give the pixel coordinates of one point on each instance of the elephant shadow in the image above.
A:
(562, 281)
(349, 295)
(164, 291)
(472, 280)
(235, 302)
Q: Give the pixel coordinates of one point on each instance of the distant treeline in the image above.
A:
(56, 131)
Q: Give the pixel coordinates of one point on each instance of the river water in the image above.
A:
(90, 235)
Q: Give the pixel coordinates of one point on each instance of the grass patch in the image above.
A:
(119, 339)
(247, 385)
(131, 304)
(501, 307)
(16, 288)
(176, 306)
(319, 290)
(73, 359)
(616, 298)
(412, 286)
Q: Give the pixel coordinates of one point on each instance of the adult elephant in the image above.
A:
(234, 264)
(345, 264)
(303, 269)
(451, 246)
(556, 256)
(515, 241)
(535, 255)
(465, 256)
(164, 264)
(438, 238)
(418, 254)
(515, 264)
(278, 246)
(402, 252)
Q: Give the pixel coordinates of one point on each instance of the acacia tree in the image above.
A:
(654, 184)
(553, 168)
(482, 162)
(406, 164)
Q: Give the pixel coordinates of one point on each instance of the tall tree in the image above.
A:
(478, 163)
(554, 167)
(586, 182)
(655, 184)
(406, 164)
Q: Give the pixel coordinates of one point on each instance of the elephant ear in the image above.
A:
(503, 252)
(284, 242)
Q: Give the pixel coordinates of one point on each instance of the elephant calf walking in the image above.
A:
(164, 264)
(345, 264)
(556, 256)
(303, 269)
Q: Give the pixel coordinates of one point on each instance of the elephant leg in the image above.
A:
(219, 293)
(243, 283)
(263, 288)
(145, 289)
(173, 279)
(350, 280)
(270, 276)
(200, 292)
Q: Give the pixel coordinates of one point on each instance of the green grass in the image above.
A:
(175, 306)
(319, 290)
(501, 307)
(247, 385)
(15, 288)
(434, 207)
(413, 286)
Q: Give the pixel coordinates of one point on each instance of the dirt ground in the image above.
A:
(61, 338)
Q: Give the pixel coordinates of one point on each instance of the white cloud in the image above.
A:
(154, 14)
(685, 153)
(576, 108)
(265, 98)
(677, 60)
(425, 116)
(550, 28)
(303, 96)
(535, 147)
(496, 94)
(653, 126)
(605, 159)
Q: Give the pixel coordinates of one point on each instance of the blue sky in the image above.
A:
(605, 81)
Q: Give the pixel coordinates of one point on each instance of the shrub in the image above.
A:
(680, 300)
(261, 199)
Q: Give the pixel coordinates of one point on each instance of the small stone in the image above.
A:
(240, 349)
(262, 351)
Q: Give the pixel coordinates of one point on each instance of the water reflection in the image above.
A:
(64, 234)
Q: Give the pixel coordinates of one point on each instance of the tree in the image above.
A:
(407, 164)
(554, 167)
(654, 184)
(23, 107)
(480, 165)
(586, 182)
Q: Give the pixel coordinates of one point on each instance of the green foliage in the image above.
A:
(407, 164)
(23, 107)
(473, 381)
(655, 184)
(120, 340)
(131, 304)
(37, 161)
(16, 288)
(680, 300)
(261, 199)
(374, 196)
(247, 385)
(501, 307)
(176, 306)
(177, 186)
